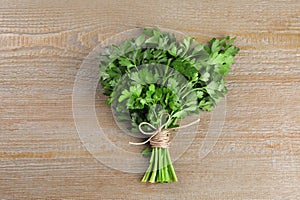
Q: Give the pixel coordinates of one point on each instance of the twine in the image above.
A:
(160, 136)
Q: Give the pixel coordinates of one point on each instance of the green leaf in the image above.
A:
(146, 151)
(125, 94)
(140, 40)
(148, 31)
(152, 40)
(125, 62)
(152, 88)
(215, 45)
(145, 92)
(173, 49)
(205, 77)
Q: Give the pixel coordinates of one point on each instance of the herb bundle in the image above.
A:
(153, 81)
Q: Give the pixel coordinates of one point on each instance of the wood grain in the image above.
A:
(42, 45)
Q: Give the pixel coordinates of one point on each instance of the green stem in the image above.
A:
(195, 89)
(166, 172)
(159, 164)
(160, 169)
(171, 168)
(154, 172)
(149, 170)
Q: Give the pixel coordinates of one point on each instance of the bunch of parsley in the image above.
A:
(155, 74)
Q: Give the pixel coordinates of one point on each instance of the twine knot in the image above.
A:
(160, 136)
(161, 139)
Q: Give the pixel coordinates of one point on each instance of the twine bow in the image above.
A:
(160, 136)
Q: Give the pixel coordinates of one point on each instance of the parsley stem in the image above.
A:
(158, 177)
(149, 170)
(160, 169)
(167, 179)
(171, 168)
(154, 172)
(195, 89)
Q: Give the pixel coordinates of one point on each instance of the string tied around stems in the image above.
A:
(160, 136)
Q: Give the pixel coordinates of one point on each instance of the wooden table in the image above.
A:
(43, 44)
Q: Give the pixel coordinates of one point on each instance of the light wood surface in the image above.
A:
(42, 46)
